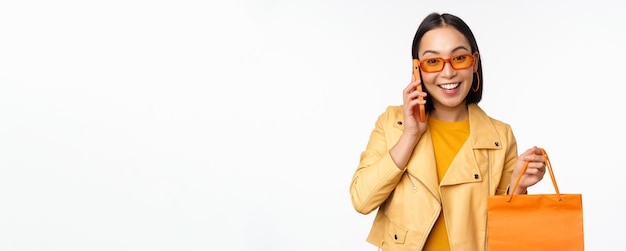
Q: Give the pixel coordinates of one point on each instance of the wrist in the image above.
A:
(411, 136)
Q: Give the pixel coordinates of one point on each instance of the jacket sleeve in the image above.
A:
(509, 162)
(377, 174)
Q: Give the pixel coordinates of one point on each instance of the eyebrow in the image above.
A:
(455, 49)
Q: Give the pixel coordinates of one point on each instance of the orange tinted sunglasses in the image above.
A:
(458, 62)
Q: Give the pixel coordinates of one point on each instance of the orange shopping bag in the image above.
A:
(535, 221)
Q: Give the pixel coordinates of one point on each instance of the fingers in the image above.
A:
(533, 154)
(536, 168)
(412, 86)
(533, 158)
(536, 161)
(410, 92)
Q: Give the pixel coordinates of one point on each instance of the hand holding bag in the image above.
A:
(535, 222)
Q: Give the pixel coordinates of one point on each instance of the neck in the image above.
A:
(450, 114)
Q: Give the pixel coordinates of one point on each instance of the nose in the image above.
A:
(448, 71)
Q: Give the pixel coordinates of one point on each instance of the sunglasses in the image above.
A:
(458, 62)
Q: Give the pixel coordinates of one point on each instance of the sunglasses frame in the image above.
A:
(448, 60)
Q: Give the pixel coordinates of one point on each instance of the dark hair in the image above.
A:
(436, 20)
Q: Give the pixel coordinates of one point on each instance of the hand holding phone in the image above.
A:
(416, 73)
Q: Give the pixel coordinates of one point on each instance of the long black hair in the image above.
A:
(436, 20)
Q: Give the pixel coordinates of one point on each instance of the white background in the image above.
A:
(237, 125)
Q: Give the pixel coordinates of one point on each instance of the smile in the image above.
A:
(450, 86)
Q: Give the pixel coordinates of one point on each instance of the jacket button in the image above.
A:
(497, 143)
(475, 176)
(395, 236)
(399, 122)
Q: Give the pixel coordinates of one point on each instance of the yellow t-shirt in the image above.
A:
(448, 138)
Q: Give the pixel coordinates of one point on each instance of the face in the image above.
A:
(448, 87)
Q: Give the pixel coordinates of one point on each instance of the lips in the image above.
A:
(450, 86)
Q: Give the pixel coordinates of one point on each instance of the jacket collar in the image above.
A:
(483, 134)
(464, 168)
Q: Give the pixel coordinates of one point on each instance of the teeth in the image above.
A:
(449, 86)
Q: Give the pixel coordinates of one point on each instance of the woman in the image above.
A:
(430, 179)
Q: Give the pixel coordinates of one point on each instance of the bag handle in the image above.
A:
(548, 166)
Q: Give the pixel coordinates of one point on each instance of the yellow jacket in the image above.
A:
(410, 201)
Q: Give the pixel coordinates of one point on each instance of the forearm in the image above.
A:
(372, 183)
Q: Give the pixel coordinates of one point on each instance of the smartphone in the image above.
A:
(416, 73)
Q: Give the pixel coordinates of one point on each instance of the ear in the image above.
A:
(476, 60)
